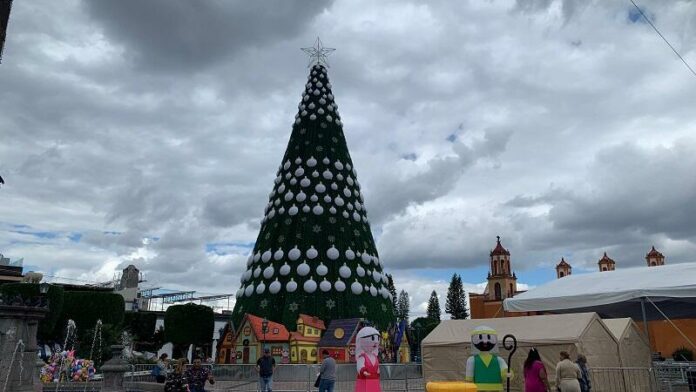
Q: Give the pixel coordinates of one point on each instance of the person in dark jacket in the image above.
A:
(265, 366)
(176, 382)
(585, 384)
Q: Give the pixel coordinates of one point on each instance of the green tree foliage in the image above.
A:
(85, 308)
(434, 310)
(403, 306)
(141, 325)
(456, 299)
(55, 304)
(189, 324)
(392, 290)
(420, 328)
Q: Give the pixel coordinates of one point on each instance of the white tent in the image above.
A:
(446, 349)
(615, 291)
(634, 352)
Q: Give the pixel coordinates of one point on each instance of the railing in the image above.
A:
(294, 377)
(622, 379)
(672, 376)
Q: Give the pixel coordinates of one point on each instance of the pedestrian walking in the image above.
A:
(160, 369)
(265, 367)
(535, 377)
(585, 384)
(327, 372)
(567, 374)
(176, 381)
(197, 375)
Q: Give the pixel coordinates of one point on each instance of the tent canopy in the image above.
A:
(616, 293)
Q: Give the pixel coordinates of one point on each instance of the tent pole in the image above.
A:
(645, 321)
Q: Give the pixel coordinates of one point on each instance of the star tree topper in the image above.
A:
(318, 53)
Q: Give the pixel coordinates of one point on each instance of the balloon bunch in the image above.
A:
(63, 366)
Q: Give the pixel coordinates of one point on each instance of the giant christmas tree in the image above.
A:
(315, 253)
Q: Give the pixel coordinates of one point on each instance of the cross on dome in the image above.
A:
(318, 53)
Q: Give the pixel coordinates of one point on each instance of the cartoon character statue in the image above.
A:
(285, 356)
(485, 368)
(366, 356)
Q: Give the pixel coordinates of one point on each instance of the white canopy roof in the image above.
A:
(615, 293)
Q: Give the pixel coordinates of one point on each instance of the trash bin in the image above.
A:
(691, 378)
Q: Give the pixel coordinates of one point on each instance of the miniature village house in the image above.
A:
(250, 340)
(305, 341)
(225, 348)
(339, 339)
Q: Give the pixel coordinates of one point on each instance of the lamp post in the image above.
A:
(264, 329)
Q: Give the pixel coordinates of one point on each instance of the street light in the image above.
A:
(264, 329)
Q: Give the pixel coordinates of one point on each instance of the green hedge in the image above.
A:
(85, 308)
(55, 306)
(189, 324)
(141, 325)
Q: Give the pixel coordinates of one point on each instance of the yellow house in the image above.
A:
(405, 350)
(305, 341)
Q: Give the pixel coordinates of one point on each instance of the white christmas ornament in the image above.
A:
(339, 201)
(350, 255)
(305, 182)
(332, 210)
(373, 291)
(346, 192)
(293, 210)
(346, 214)
(320, 111)
(322, 269)
(281, 188)
(310, 285)
(356, 216)
(327, 199)
(293, 181)
(332, 253)
(366, 258)
(315, 174)
(326, 160)
(313, 117)
(239, 294)
(349, 207)
(247, 275)
(301, 196)
(338, 165)
(306, 208)
(250, 260)
(329, 118)
(266, 256)
(356, 288)
(274, 287)
(249, 290)
(277, 202)
(340, 286)
(320, 188)
(284, 269)
(260, 288)
(325, 285)
(303, 269)
(299, 172)
(327, 174)
(286, 166)
(278, 254)
(312, 253)
(384, 292)
(298, 160)
(318, 210)
(360, 271)
(281, 210)
(257, 272)
(257, 256)
(291, 286)
(268, 272)
(289, 196)
(376, 276)
(339, 177)
(294, 253)
(311, 162)
(334, 186)
(314, 198)
(311, 106)
(344, 271)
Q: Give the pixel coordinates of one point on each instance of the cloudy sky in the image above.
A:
(148, 132)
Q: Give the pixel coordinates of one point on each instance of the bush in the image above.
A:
(55, 305)
(85, 308)
(189, 324)
(683, 354)
(141, 325)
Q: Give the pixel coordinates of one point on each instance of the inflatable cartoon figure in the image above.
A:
(366, 355)
(485, 368)
(285, 356)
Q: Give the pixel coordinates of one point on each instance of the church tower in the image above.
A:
(563, 269)
(502, 282)
(654, 258)
(606, 263)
